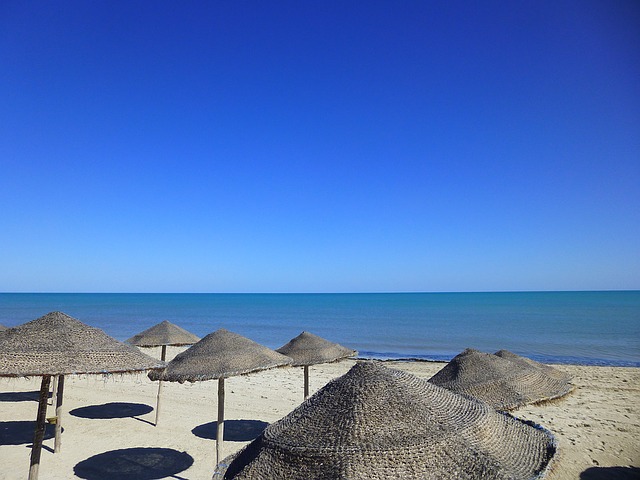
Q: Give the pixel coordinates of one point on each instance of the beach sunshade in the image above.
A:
(220, 355)
(309, 349)
(2, 327)
(58, 345)
(163, 334)
(501, 382)
(527, 362)
(378, 423)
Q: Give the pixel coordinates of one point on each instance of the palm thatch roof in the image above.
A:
(499, 381)
(527, 362)
(57, 344)
(220, 354)
(163, 333)
(378, 423)
(310, 349)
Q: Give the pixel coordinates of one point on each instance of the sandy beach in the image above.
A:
(597, 426)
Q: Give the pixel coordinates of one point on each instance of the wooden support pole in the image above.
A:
(163, 356)
(306, 382)
(220, 424)
(158, 402)
(41, 424)
(54, 389)
(59, 396)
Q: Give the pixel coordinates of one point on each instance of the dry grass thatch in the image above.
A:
(220, 354)
(379, 423)
(57, 344)
(164, 333)
(310, 349)
(504, 381)
(527, 362)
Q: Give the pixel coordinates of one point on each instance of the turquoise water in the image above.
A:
(594, 328)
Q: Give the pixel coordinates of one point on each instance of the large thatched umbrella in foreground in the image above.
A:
(220, 355)
(503, 381)
(163, 334)
(57, 344)
(308, 349)
(378, 423)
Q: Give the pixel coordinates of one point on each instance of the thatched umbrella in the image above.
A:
(163, 334)
(58, 345)
(2, 327)
(527, 362)
(309, 349)
(499, 381)
(220, 355)
(378, 423)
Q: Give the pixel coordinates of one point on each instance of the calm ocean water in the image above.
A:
(594, 328)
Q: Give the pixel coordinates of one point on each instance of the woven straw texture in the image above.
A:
(220, 354)
(310, 349)
(57, 344)
(502, 383)
(527, 362)
(379, 423)
(164, 333)
(2, 327)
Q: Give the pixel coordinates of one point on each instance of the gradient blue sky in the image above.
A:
(333, 146)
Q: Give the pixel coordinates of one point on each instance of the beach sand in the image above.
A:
(597, 426)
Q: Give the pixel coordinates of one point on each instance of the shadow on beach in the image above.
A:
(234, 430)
(611, 473)
(134, 464)
(21, 432)
(33, 396)
(112, 410)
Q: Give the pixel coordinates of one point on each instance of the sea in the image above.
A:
(585, 328)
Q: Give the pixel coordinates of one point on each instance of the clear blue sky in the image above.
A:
(333, 146)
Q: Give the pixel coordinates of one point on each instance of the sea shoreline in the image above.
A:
(384, 357)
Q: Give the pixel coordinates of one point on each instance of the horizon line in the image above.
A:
(314, 293)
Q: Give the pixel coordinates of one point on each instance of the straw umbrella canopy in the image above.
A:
(379, 423)
(58, 345)
(163, 334)
(499, 381)
(220, 355)
(308, 349)
(2, 327)
(527, 362)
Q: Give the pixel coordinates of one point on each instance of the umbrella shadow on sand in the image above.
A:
(112, 410)
(32, 396)
(21, 432)
(610, 473)
(134, 464)
(234, 430)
